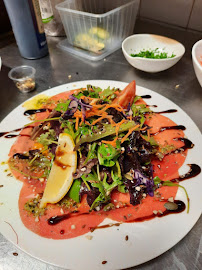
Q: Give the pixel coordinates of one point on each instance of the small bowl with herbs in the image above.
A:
(152, 53)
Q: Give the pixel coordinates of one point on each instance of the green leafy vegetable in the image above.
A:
(136, 98)
(109, 207)
(42, 120)
(92, 152)
(151, 140)
(107, 92)
(108, 131)
(153, 54)
(92, 91)
(74, 191)
(62, 107)
(107, 154)
(122, 188)
(139, 109)
(47, 138)
(69, 128)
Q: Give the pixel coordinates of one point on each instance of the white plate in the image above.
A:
(147, 240)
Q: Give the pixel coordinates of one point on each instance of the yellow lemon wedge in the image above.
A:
(60, 178)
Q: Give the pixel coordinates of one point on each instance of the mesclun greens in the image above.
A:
(152, 54)
(107, 154)
(114, 146)
(47, 138)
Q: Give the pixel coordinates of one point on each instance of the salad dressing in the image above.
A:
(194, 171)
(146, 96)
(187, 145)
(34, 111)
(180, 208)
(168, 111)
(15, 130)
(179, 127)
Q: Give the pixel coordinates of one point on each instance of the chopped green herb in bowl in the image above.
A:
(153, 54)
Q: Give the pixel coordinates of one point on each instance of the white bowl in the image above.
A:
(136, 43)
(197, 60)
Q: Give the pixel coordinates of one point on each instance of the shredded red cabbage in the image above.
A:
(73, 105)
(83, 105)
(143, 180)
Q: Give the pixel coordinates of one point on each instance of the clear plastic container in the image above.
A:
(98, 27)
(23, 77)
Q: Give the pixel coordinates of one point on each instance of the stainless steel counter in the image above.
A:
(55, 69)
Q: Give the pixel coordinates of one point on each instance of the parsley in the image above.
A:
(92, 153)
(107, 92)
(153, 54)
(47, 138)
(107, 154)
(62, 107)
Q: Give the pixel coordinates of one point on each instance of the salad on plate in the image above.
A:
(91, 154)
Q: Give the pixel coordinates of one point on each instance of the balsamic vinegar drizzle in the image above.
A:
(15, 130)
(193, 171)
(26, 113)
(179, 127)
(181, 207)
(7, 132)
(187, 145)
(146, 96)
(57, 219)
(167, 111)
(21, 156)
(153, 106)
(9, 136)
(31, 112)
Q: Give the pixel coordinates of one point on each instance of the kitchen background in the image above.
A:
(182, 13)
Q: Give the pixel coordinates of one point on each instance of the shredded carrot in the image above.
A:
(98, 106)
(116, 106)
(111, 121)
(38, 146)
(87, 123)
(129, 132)
(99, 111)
(96, 112)
(90, 98)
(148, 134)
(118, 126)
(77, 114)
(113, 143)
(143, 128)
(98, 120)
(105, 116)
(81, 122)
(77, 123)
